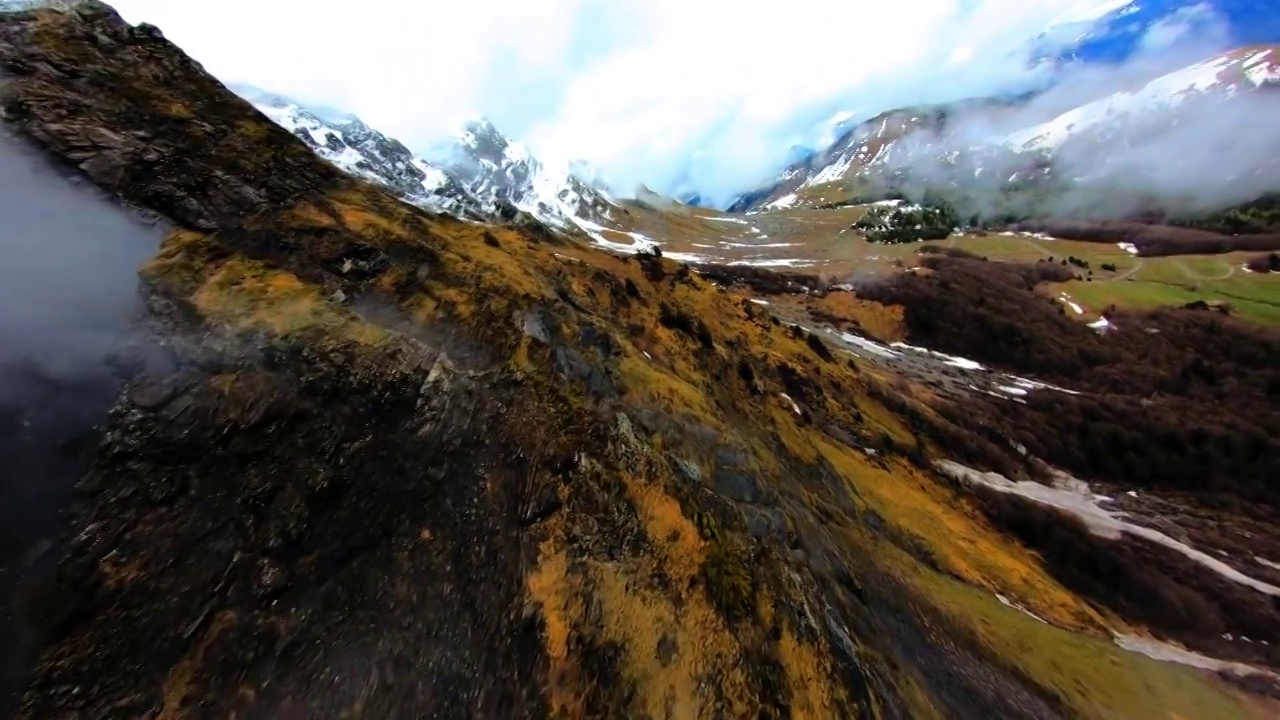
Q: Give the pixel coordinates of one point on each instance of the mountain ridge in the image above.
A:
(946, 142)
(479, 175)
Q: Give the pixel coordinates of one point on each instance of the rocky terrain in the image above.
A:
(390, 462)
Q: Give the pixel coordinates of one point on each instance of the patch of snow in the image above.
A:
(1267, 563)
(690, 258)
(1128, 247)
(1258, 72)
(832, 172)
(1013, 390)
(1101, 325)
(952, 360)
(1165, 652)
(1009, 603)
(435, 177)
(1064, 298)
(785, 201)
(758, 301)
(870, 346)
(320, 135)
(794, 406)
(994, 394)
(728, 220)
(774, 262)
(1100, 521)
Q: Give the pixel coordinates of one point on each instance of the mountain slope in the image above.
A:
(888, 138)
(403, 465)
(1221, 78)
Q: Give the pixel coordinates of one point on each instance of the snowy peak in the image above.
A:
(350, 144)
(506, 178)
(481, 175)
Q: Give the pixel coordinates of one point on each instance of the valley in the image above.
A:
(469, 436)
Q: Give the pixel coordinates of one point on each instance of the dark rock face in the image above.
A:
(424, 574)
(165, 163)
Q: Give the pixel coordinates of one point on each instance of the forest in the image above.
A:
(1177, 398)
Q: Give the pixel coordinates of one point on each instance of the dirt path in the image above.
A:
(1137, 263)
(1195, 275)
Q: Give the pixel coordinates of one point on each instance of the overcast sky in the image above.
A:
(681, 94)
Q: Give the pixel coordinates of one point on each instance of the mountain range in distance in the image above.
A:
(1154, 141)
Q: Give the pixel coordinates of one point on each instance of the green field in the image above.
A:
(1142, 283)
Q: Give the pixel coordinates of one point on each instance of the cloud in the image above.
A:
(685, 95)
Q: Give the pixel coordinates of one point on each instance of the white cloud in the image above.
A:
(698, 93)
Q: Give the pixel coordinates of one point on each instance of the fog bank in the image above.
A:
(68, 291)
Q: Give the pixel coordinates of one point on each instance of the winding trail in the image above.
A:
(1138, 262)
(1196, 276)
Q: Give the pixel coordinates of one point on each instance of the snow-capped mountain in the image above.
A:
(880, 142)
(1218, 79)
(353, 146)
(504, 177)
(480, 176)
(1147, 131)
